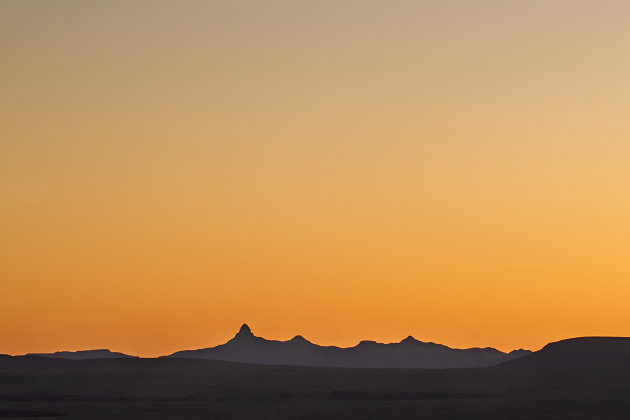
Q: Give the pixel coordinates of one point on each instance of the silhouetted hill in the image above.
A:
(409, 353)
(84, 354)
(583, 352)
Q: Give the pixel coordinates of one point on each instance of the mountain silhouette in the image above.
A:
(582, 352)
(298, 351)
(84, 354)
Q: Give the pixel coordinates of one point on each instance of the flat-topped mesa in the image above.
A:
(84, 354)
(364, 343)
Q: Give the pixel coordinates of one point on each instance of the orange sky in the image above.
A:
(345, 170)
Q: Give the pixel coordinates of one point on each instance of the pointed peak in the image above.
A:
(409, 339)
(245, 330)
(244, 335)
(300, 339)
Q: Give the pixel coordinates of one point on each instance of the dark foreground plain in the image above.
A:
(186, 388)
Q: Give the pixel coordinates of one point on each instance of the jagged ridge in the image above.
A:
(409, 353)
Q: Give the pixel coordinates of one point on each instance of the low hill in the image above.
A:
(583, 352)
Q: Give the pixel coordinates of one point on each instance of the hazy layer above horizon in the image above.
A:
(344, 170)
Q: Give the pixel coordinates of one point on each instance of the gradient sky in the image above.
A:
(345, 170)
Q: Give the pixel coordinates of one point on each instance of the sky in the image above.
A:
(457, 171)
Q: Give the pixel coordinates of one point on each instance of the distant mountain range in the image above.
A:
(84, 354)
(409, 353)
(245, 347)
